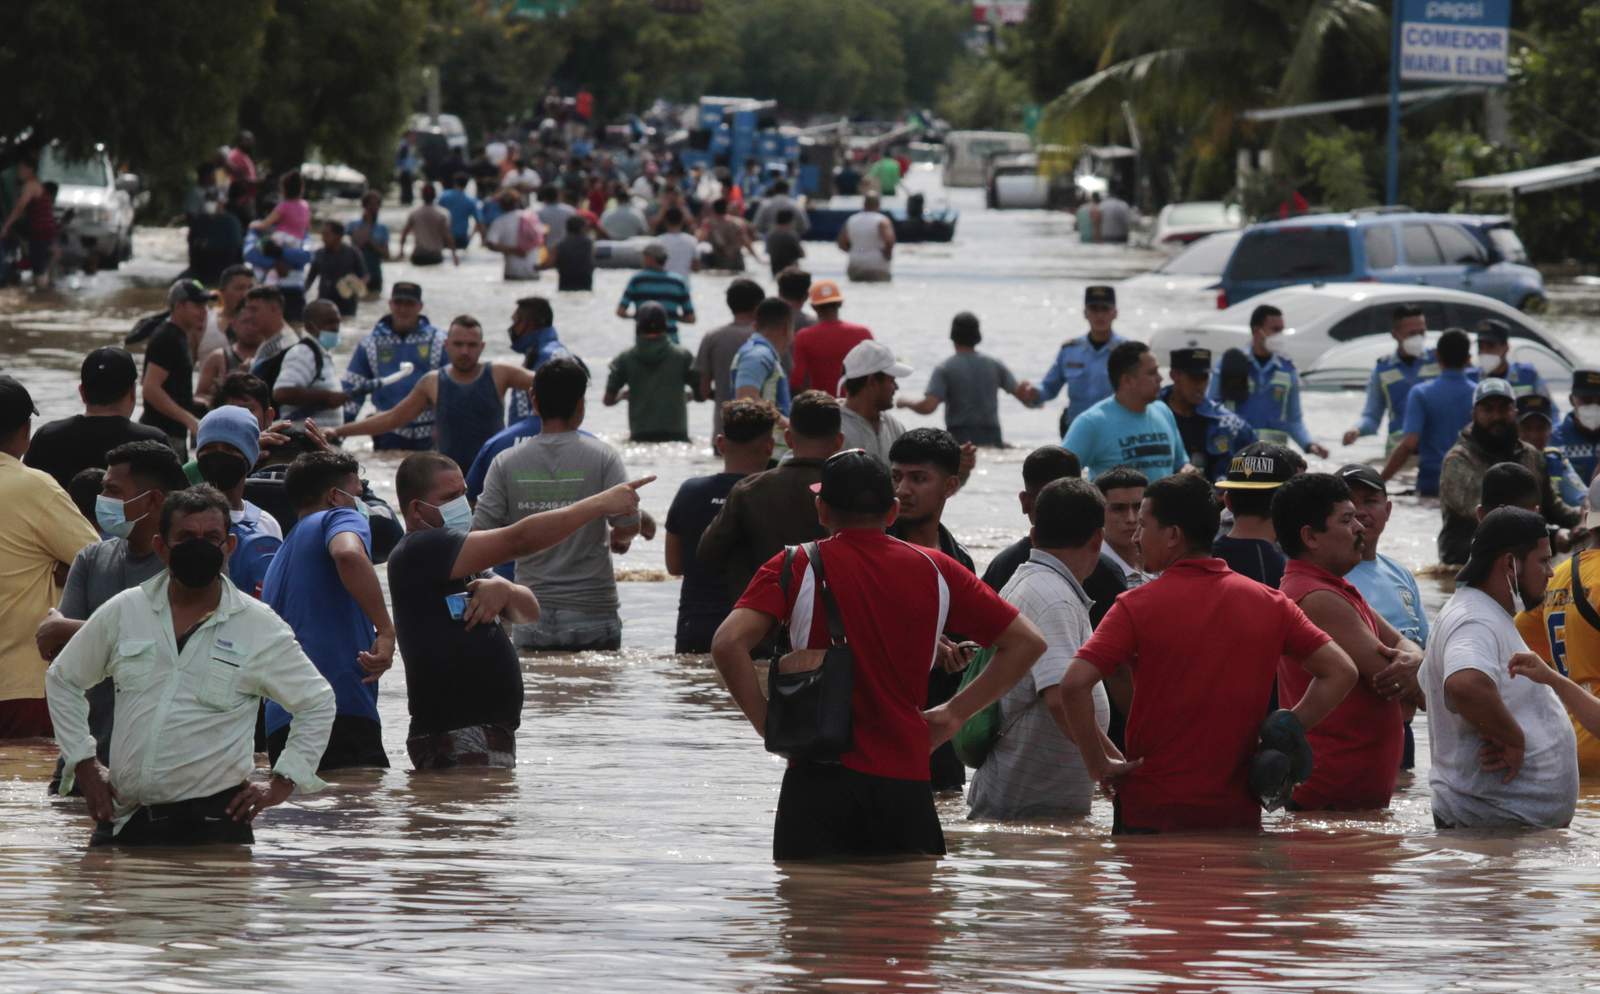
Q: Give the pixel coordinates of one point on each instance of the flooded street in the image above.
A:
(631, 846)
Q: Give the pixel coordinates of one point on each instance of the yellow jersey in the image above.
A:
(1567, 636)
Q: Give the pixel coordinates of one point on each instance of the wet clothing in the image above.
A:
(430, 234)
(1273, 406)
(199, 821)
(1212, 435)
(819, 353)
(474, 746)
(783, 249)
(168, 348)
(866, 259)
(1580, 446)
(67, 447)
(1109, 435)
(463, 209)
(1200, 690)
(466, 414)
(1436, 412)
(1080, 367)
(714, 359)
(704, 599)
(1566, 636)
(379, 354)
(969, 383)
(329, 267)
(1392, 591)
(1260, 560)
(886, 173)
(656, 373)
(762, 513)
(575, 263)
(1387, 389)
(1461, 485)
(370, 259)
(757, 365)
(827, 810)
(1357, 746)
(726, 236)
(659, 286)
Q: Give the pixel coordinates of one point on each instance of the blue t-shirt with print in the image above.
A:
(1108, 435)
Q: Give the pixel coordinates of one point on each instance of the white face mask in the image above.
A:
(1276, 344)
(1588, 416)
(1488, 363)
(1517, 606)
(1414, 345)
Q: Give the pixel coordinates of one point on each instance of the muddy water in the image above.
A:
(631, 844)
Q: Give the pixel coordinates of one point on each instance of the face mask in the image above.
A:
(456, 514)
(1413, 346)
(1588, 416)
(195, 563)
(1488, 363)
(1517, 605)
(523, 344)
(329, 340)
(112, 515)
(222, 470)
(360, 506)
(1276, 344)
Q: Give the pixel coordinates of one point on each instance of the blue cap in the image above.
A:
(233, 426)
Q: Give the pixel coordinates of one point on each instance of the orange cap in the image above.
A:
(825, 292)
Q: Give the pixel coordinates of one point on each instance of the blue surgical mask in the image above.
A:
(359, 505)
(329, 340)
(113, 517)
(456, 514)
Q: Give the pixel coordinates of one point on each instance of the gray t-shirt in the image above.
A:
(554, 218)
(715, 357)
(859, 433)
(623, 222)
(544, 473)
(1034, 770)
(969, 384)
(100, 572)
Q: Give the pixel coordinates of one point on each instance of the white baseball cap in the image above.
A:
(870, 357)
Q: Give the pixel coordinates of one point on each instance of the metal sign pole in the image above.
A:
(1392, 183)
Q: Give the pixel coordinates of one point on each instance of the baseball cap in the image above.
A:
(854, 481)
(16, 404)
(406, 291)
(1586, 382)
(189, 292)
(825, 292)
(1502, 529)
(1258, 466)
(1360, 473)
(1536, 405)
(1494, 329)
(872, 356)
(108, 371)
(656, 251)
(233, 426)
(1493, 386)
(1100, 295)
(650, 317)
(1191, 360)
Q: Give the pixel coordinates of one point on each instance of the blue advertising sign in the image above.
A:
(1455, 41)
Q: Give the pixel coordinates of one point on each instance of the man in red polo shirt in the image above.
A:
(1203, 644)
(819, 350)
(894, 599)
(1357, 748)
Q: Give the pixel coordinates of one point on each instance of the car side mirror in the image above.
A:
(128, 183)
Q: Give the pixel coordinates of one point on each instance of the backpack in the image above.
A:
(145, 327)
(269, 368)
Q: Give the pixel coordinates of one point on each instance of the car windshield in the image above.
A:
(1216, 212)
(82, 172)
(1207, 257)
(1292, 254)
(1509, 246)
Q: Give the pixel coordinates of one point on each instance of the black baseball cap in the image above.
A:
(1100, 295)
(189, 291)
(1536, 405)
(1360, 473)
(855, 482)
(1191, 361)
(1502, 529)
(1258, 466)
(108, 371)
(16, 405)
(1494, 329)
(406, 291)
(1586, 382)
(651, 317)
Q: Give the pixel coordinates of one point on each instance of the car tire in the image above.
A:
(1534, 303)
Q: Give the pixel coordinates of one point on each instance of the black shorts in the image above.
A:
(355, 741)
(196, 822)
(831, 811)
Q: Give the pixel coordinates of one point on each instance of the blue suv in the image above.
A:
(1475, 253)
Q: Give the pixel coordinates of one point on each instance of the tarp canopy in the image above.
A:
(1535, 180)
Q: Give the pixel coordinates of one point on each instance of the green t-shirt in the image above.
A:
(656, 372)
(887, 172)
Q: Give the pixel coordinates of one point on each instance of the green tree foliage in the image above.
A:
(930, 35)
(1334, 158)
(490, 63)
(628, 53)
(819, 55)
(984, 95)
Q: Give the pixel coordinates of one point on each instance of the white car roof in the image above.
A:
(1328, 297)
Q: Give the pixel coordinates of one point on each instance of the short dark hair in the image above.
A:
(576, 224)
(1403, 312)
(101, 388)
(1067, 513)
(964, 330)
(429, 194)
(460, 180)
(549, 193)
(235, 270)
(1121, 478)
(465, 321)
(1186, 500)
(1048, 463)
(558, 387)
(1508, 484)
(294, 185)
(1258, 317)
(240, 385)
(673, 216)
(312, 474)
(927, 447)
(266, 294)
(747, 419)
(794, 283)
(84, 489)
(814, 414)
(785, 215)
(194, 500)
(1304, 501)
(152, 464)
(774, 313)
(744, 295)
(1454, 349)
(1123, 360)
(720, 205)
(337, 227)
(537, 310)
(416, 474)
(779, 186)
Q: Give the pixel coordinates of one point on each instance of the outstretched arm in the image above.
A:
(488, 547)
(418, 400)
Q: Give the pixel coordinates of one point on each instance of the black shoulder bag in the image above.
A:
(809, 690)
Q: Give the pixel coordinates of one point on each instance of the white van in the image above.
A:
(967, 154)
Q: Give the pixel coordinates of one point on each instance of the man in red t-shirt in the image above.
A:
(1203, 644)
(894, 599)
(819, 350)
(1357, 748)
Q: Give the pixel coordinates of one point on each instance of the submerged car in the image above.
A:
(1197, 269)
(94, 206)
(1349, 366)
(1178, 225)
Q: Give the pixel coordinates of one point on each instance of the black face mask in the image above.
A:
(195, 563)
(222, 470)
(1497, 437)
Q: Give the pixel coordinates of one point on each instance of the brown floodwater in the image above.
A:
(631, 845)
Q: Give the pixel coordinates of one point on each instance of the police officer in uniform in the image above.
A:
(1578, 434)
(1535, 419)
(1394, 376)
(1494, 352)
(1273, 406)
(1212, 434)
(1080, 366)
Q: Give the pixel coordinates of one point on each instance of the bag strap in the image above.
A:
(783, 642)
(1580, 596)
(835, 622)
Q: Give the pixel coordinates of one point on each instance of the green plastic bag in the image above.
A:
(976, 737)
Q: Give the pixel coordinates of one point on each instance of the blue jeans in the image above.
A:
(564, 628)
